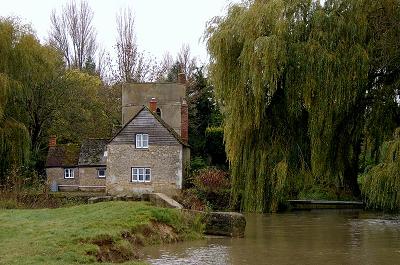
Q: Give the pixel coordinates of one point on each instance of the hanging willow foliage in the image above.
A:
(294, 81)
(14, 136)
(381, 184)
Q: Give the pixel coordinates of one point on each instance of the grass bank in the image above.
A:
(87, 234)
(33, 199)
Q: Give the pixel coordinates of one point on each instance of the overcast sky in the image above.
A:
(161, 25)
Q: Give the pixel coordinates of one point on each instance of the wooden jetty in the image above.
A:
(323, 204)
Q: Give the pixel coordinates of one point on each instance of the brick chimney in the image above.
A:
(181, 78)
(53, 141)
(184, 121)
(153, 104)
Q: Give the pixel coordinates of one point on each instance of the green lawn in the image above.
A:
(67, 235)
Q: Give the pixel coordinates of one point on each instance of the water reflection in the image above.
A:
(202, 253)
(306, 237)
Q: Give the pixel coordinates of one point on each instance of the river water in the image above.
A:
(303, 237)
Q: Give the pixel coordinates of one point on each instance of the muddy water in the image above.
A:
(305, 237)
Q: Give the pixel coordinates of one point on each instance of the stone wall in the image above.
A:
(85, 179)
(168, 95)
(57, 174)
(88, 177)
(165, 163)
(186, 159)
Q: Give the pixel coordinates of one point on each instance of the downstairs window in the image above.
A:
(140, 174)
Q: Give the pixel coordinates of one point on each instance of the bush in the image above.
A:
(190, 200)
(212, 180)
(213, 187)
(197, 163)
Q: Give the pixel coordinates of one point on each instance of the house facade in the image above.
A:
(149, 154)
(146, 156)
(72, 167)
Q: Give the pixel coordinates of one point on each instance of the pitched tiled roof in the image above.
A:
(161, 121)
(66, 155)
(92, 152)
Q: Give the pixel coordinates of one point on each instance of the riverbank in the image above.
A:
(104, 232)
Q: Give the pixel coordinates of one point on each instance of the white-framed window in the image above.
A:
(101, 172)
(142, 140)
(68, 173)
(141, 174)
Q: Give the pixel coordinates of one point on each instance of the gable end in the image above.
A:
(145, 122)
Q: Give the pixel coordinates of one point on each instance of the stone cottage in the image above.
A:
(149, 154)
(70, 167)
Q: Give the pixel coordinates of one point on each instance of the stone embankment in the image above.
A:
(230, 224)
(225, 224)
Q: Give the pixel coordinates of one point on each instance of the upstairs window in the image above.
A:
(141, 174)
(142, 140)
(101, 173)
(68, 173)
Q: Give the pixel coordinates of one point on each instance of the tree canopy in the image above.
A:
(39, 97)
(18, 51)
(299, 82)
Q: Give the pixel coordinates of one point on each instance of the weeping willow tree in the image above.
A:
(14, 137)
(381, 183)
(294, 79)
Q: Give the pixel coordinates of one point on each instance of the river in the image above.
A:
(303, 237)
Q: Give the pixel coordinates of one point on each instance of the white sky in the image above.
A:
(161, 25)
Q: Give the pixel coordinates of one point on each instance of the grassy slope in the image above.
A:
(60, 236)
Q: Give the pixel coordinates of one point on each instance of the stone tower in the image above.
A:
(168, 100)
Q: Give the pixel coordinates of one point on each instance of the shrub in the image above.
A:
(212, 180)
(190, 200)
(213, 187)
(197, 163)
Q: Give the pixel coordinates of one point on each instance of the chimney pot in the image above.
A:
(53, 141)
(153, 104)
(181, 78)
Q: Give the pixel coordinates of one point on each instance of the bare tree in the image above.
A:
(162, 68)
(73, 34)
(168, 68)
(186, 62)
(133, 66)
(104, 67)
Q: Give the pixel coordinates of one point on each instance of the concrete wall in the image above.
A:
(88, 177)
(168, 95)
(165, 163)
(57, 174)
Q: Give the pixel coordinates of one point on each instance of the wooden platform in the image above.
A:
(322, 204)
